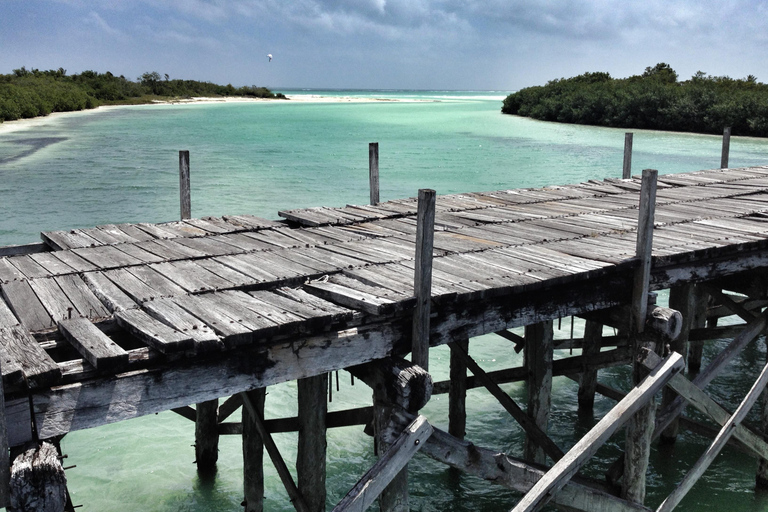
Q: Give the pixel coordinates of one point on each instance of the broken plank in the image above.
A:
(37, 366)
(95, 346)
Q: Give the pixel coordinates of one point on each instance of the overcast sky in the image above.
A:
(381, 44)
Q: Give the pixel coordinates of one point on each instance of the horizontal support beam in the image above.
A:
(335, 419)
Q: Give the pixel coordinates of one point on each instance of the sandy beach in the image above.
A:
(23, 124)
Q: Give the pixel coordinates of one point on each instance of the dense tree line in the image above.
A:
(31, 93)
(654, 100)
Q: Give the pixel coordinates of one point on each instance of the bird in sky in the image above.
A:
(269, 56)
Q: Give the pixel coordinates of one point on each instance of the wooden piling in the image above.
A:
(422, 281)
(627, 169)
(699, 320)
(373, 171)
(5, 460)
(681, 298)
(38, 483)
(184, 188)
(593, 336)
(637, 445)
(726, 148)
(761, 478)
(207, 436)
(311, 455)
(253, 454)
(457, 393)
(539, 346)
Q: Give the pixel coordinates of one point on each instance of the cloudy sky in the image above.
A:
(378, 44)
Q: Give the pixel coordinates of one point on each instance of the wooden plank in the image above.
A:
(51, 263)
(235, 278)
(108, 292)
(106, 256)
(219, 318)
(7, 318)
(29, 267)
(564, 469)
(95, 346)
(252, 222)
(210, 245)
(171, 314)
(40, 371)
(54, 300)
(26, 306)
(140, 254)
(190, 276)
(349, 297)
(373, 482)
(154, 333)
(8, 272)
(13, 375)
(135, 288)
(163, 286)
(75, 261)
(82, 298)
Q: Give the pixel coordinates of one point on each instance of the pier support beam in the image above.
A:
(761, 479)
(38, 483)
(539, 346)
(207, 436)
(457, 394)
(593, 336)
(398, 385)
(310, 459)
(253, 454)
(682, 299)
(699, 321)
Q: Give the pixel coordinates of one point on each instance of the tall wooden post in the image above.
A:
(373, 171)
(539, 346)
(726, 148)
(682, 299)
(637, 444)
(207, 436)
(184, 189)
(593, 338)
(422, 281)
(310, 458)
(457, 393)
(626, 172)
(5, 459)
(253, 454)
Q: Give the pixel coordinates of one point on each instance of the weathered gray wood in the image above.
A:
(515, 474)
(311, 453)
(184, 188)
(627, 169)
(593, 334)
(5, 461)
(761, 478)
(701, 401)
(681, 298)
(26, 306)
(253, 452)
(539, 346)
(422, 281)
(644, 249)
(373, 171)
(719, 443)
(154, 333)
(530, 427)
(457, 396)
(38, 482)
(556, 478)
(699, 320)
(95, 346)
(386, 468)
(37, 366)
(207, 436)
(282, 470)
(726, 148)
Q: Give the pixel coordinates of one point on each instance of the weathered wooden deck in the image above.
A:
(119, 321)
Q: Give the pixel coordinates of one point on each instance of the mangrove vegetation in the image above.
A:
(654, 100)
(31, 93)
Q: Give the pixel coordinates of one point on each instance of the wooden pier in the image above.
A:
(104, 324)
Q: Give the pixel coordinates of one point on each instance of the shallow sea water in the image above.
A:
(121, 165)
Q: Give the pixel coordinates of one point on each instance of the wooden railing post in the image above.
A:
(373, 171)
(644, 249)
(186, 201)
(726, 148)
(422, 282)
(627, 170)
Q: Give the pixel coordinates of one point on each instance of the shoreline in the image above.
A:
(33, 122)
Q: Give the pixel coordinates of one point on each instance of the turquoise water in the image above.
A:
(121, 165)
